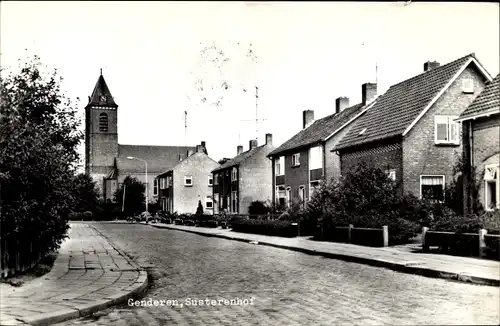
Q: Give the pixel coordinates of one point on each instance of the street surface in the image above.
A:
(285, 287)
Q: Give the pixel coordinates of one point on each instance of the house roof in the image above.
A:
(400, 108)
(485, 103)
(185, 159)
(102, 95)
(319, 131)
(243, 157)
(159, 158)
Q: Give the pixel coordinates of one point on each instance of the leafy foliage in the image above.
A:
(38, 155)
(134, 196)
(454, 191)
(85, 193)
(273, 227)
(367, 197)
(258, 207)
(199, 209)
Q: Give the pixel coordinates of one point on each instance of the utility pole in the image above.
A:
(185, 128)
(256, 114)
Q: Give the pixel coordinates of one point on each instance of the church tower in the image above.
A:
(101, 133)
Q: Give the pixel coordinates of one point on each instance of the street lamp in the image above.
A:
(145, 177)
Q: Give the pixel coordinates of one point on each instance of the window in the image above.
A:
(155, 187)
(162, 183)
(209, 204)
(313, 186)
(302, 194)
(234, 201)
(316, 158)
(234, 174)
(446, 130)
(280, 166)
(432, 187)
(391, 174)
(188, 181)
(216, 179)
(103, 122)
(280, 196)
(491, 186)
(468, 85)
(289, 197)
(210, 181)
(296, 159)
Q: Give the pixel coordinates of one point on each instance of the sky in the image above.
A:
(306, 54)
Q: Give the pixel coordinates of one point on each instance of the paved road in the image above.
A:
(287, 288)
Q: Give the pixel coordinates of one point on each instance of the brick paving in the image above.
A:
(88, 274)
(466, 269)
(289, 287)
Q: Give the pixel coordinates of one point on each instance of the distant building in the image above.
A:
(106, 161)
(187, 183)
(303, 161)
(481, 139)
(245, 178)
(411, 131)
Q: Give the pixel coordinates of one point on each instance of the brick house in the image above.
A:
(481, 139)
(107, 161)
(410, 132)
(188, 182)
(301, 162)
(244, 178)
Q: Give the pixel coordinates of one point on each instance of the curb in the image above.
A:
(133, 290)
(406, 267)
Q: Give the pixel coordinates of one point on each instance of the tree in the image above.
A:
(223, 160)
(134, 195)
(86, 196)
(38, 155)
(199, 209)
(258, 207)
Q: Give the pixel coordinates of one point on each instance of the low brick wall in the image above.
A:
(360, 236)
(478, 244)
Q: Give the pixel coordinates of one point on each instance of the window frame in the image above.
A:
(316, 157)
(487, 181)
(155, 187)
(210, 178)
(468, 85)
(450, 121)
(296, 159)
(443, 185)
(188, 177)
(280, 162)
(216, 179)
(234, 174)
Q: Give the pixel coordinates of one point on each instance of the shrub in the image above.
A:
(258, 207)
(199, 210)
(273, 228)
(87, 215)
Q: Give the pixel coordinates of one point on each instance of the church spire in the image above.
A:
(101, 94)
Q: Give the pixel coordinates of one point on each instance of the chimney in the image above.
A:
(368, 92)
(341, 104)
(430, 65)
(200, 148)
(307, 118)
(269, 139)
(239, 150)
(252, 143)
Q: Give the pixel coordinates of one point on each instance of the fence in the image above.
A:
(18, 255)
(479, 244)
(361, 236)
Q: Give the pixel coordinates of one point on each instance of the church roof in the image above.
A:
(159, 158)
(101, 95)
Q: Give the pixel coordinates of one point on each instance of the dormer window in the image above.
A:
(234, 174)
(296, 159)
(103, 98)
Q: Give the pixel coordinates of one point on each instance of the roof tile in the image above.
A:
(400, 105)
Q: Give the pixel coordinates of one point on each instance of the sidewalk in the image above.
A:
(464, 269)
(88, 275)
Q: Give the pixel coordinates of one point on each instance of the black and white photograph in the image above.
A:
(249, 163)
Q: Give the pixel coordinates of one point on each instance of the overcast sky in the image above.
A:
(307, 53)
